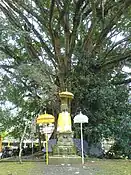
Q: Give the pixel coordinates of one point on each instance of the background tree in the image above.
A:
(79, 45)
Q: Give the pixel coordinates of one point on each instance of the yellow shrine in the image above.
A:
(64, 118)
(65, 150)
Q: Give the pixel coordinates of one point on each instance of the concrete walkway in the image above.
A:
(42, 169)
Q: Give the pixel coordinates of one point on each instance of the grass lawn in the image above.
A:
(109, 167)
(15, 168)
(94, 166)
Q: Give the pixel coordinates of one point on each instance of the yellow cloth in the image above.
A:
(64, 122)
(0, 143)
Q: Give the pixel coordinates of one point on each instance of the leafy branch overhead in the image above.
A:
(53, 30)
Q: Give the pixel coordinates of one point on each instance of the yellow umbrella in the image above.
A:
(66, 94)
(45, 119)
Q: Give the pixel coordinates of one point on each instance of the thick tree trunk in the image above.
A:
(64, 74)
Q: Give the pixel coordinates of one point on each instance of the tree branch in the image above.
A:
(117, 59)
(11, 17)
(126, 81)
(76, 22)
(10, 53)
(122, 8)
(88, 40)
(32, 52)
(30, 11)
(38, 35)
(44, 11)
(128, 38)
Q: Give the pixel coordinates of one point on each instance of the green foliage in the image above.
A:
(106, 102)
(4, 119)
(83, 46)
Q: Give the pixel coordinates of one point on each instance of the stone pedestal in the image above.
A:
(64, 152)
(57, 160)
(65, 144)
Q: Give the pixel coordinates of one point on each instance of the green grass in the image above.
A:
(109, 167)
(95, 166)
(15, 168)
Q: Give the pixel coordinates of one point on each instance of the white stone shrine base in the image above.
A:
(58, 160)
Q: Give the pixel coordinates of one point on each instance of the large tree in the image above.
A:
(52, 31)
(79, 45)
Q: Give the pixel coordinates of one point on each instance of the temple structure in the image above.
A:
(64, 151)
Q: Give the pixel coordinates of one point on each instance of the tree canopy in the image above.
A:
(53, 31)
(81, 45)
